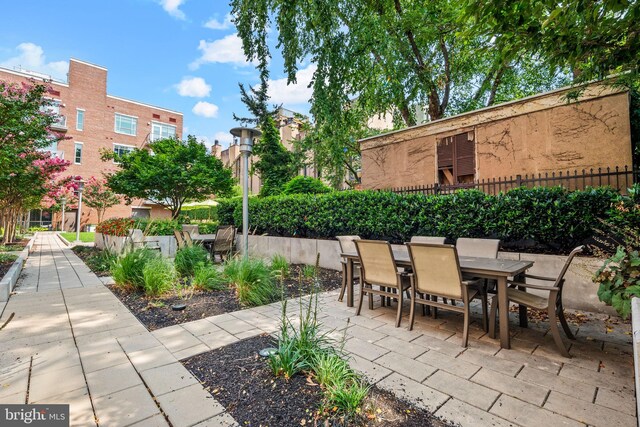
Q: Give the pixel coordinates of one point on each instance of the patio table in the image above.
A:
(205, 240)
(489, 268)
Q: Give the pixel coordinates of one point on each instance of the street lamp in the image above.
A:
(80, 184)
(246, 136)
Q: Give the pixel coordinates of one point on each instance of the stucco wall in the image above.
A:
(535, 135)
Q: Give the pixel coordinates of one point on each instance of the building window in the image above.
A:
(140, 212)
(127, 125)
(119, 150)
(161, 130)
(79, 119)
(78, 153)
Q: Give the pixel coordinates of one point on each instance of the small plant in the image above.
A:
(619, 280)
(280, 266)
(127, 270)
(159, 275)
(309, 271)
(7, 258)
(253, 281)
(331, 370)
(208, 277)
(287, 361)
(189, 258)
(347, 396)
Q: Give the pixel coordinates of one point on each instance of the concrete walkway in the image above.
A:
(72, 341)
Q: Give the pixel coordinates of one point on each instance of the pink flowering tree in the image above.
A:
(27, 168)
(99, 196)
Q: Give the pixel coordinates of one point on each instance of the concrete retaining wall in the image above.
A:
(168, 244)
(579, 291)
(9, 280)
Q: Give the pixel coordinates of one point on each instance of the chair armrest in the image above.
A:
(532, 286)
(533, 276)
(472, 282)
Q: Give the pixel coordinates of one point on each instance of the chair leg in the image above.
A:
(399, 315)
(556, 332)
(361, 298)
(344, 282)
(492, 316)
(371, 299)
(563, 322)
(434, 312)
(465, 328)
(412, 310)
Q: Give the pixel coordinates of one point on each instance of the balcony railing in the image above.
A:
(60, 123)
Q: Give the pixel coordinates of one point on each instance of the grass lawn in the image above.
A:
(85, 236)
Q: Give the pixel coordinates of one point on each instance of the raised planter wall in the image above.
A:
(8, 282)
(579, 291)
(168, 244)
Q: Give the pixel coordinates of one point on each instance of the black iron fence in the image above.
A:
(620, 178)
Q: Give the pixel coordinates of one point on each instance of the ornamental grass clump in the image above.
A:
(279, 266)
(208, 277)
(304, 348)
(189, 258)
(159, 275)
(127, 270)
(253, 281)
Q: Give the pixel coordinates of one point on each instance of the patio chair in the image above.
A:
(187, 238)
(479, 248)
(179, 239)
(347, 244)
(137, 240)
(192, 229)
(436, 274)
(224, 242)
(428, 239)
(378, 268)
(552, 303)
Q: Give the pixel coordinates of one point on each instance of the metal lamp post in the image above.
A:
(79, 213)
(246, 136)
(64, 202)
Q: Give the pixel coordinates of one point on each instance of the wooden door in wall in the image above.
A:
(456, 159)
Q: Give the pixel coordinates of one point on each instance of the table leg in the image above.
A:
(349, 282)
(503, 307)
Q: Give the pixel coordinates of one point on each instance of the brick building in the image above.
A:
(93, 120)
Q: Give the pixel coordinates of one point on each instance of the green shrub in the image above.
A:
(190, 257)
(207, 227)
(549, 219)
(619, 280)
(7, 258)
(98, 261)
(279, 266)
(226, 209)
(115, 226)
(253, 281)
(127, 270)
(159, 276)
(157, 227)
(201, 213)
(208, 277)
(305, 185)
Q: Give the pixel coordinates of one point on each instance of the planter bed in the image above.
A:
(15, 246)
(156, 312)
(241, 381)
(6, 265)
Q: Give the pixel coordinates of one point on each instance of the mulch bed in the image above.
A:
(241, 381)
(156, 313)
(5, 266)
(17, 245)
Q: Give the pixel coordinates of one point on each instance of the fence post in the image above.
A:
(518, 180)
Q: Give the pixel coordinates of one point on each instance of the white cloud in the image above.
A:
(31, 57)
(225, 138)
(289, 94)
(172, 7)
(193, 86)
(205, 109)
(224, 24)
(227, 50)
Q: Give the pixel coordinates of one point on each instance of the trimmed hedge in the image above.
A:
(201, 213)
(548, 219)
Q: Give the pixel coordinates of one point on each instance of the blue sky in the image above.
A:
(178, 54)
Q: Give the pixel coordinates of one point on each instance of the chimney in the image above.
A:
(216, 150)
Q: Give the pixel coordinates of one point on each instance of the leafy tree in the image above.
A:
(276, 165)
(594, 38)
(306, 185)
(391, 56)
(169, 172)
(26, 168)
(99, 196)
